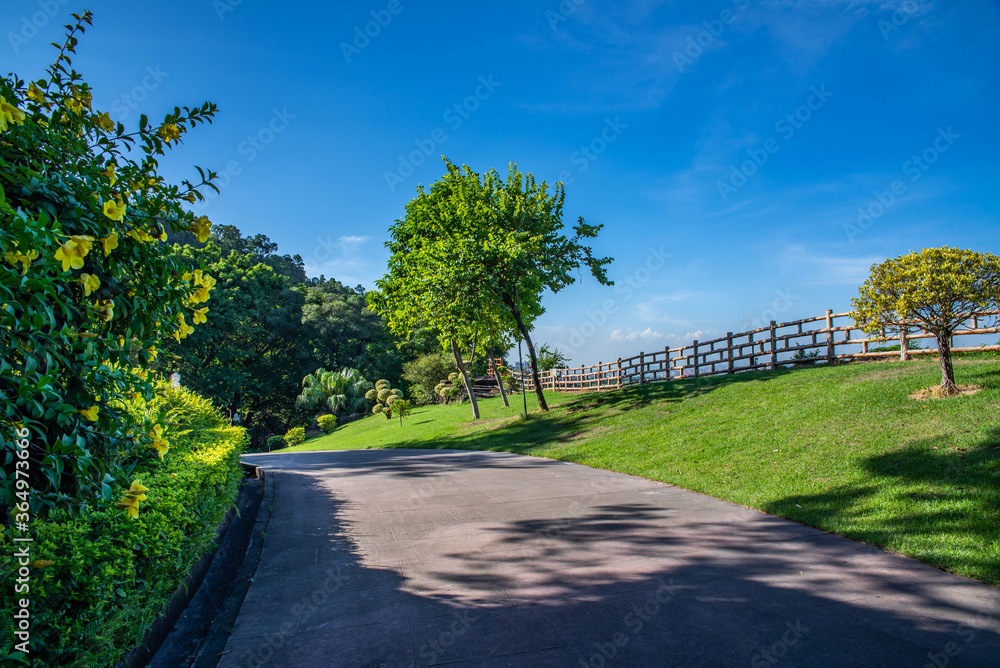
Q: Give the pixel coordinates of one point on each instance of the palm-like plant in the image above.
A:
(340, 391)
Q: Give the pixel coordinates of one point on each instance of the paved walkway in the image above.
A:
(420, 557)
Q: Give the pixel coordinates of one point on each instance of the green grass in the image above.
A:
(842, 448)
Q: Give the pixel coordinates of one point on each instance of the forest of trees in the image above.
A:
(269, 326)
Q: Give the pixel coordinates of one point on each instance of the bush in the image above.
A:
(327, 423)
(101, 578)
(295, 436)
(424, 373)
(275, 443)
(89, 291)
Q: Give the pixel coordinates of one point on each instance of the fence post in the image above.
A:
(695, 356)
(729, 351)
(831, 354)
(619, 373)
(642, 368)
(904, 344)
(774, 344)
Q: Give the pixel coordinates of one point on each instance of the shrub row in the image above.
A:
(111, 575)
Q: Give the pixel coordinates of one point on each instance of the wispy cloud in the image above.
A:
(629, 334)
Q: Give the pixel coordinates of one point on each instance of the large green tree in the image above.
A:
(252, 354)
(514, 231)
(939, 289)
(431, 280)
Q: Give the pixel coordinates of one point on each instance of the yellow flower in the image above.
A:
(110, 173)
(184, 330)
(133, 495)
(25, 259)
(140, 235)
(152, 353)
(110, 243)
(200, 316)
(201, 228)
(109, 311)
(9, 114)
(35, 93)
(190, 197)
(208, 281)
(90, 413)
(41, 563)
(159, 443)
(105, 123)
(169, 132)
(115, 210)
(142, 373)
(71, 253)
(163, 235)
(90, 283)
(75, 106)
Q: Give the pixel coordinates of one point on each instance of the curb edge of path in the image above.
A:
(214, 645)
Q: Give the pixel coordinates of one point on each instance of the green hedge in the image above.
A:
(112, 575)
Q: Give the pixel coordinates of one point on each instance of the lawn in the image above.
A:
(842, 448)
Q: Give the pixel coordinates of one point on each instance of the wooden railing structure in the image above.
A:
(835, 336)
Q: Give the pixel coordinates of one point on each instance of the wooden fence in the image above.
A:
(827, 339)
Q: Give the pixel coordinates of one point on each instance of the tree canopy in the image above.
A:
(938, 289)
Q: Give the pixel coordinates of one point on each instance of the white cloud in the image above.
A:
(629, 334)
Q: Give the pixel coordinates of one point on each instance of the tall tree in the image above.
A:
(514, 229)
(939, 289)
(431, 279)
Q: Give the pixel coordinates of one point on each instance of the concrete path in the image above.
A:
(430, 557)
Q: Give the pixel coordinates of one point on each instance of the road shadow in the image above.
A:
(685, 581)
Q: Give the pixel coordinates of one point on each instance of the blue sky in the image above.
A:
(727, 146)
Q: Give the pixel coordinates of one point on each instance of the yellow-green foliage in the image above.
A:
(327, 423)
(384, 397)
(112, 575)
(295, 436)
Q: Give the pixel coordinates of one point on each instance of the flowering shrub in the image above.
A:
(88, 288)
(98, 580)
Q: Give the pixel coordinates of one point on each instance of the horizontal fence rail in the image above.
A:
(827, 339)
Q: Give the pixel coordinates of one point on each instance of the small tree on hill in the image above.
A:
(938, 289)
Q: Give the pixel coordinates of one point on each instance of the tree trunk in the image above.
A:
(516, 312)
(496, 372)
(948, 386)
(465, 377)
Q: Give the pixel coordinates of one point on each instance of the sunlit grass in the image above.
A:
(843, 448)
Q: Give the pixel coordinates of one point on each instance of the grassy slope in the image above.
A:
(842, 448)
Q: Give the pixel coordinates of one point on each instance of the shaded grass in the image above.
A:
(842, 448)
